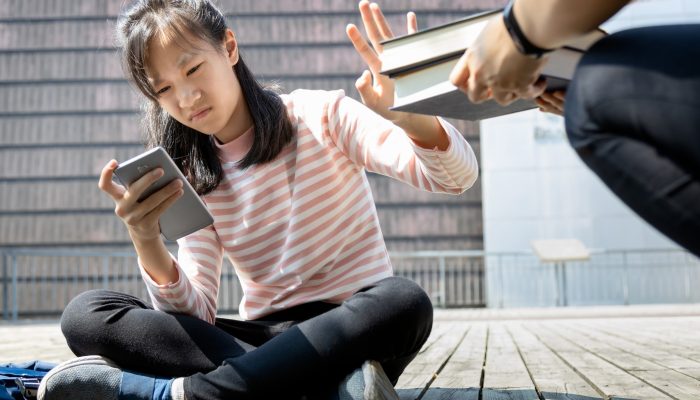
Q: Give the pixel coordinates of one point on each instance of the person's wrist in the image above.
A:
(143, 236)
(407, 121)
(518, 37)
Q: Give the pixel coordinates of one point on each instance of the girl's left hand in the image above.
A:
(552, 102)
(376, 90)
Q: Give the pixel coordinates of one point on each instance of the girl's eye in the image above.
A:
(163, 90)
(193, 70)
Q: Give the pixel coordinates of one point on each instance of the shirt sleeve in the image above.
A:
(382, 147)
(199, 263)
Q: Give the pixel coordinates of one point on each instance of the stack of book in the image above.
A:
(420, 66)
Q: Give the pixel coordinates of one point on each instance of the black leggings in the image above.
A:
(304, 350)
(633, 115)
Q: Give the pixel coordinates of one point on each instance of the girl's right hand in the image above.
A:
(140, 218)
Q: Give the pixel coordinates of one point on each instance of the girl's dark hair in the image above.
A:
(195, 153)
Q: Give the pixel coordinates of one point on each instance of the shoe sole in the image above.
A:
(87, 360)
(377, 384)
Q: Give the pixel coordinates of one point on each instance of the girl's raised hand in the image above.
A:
(376, 90)
(140, 218)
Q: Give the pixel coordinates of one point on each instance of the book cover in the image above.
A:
(408, 52)
(428, 90)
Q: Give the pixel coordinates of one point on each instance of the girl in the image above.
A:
(284, 178)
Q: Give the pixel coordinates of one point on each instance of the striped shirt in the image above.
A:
(304, 227)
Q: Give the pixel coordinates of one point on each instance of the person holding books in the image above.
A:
(284, 177)
(631, 109)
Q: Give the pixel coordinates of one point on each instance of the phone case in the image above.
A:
(188, 214)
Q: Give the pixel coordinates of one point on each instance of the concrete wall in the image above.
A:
(535, 186)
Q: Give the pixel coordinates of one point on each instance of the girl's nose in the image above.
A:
(188, 96)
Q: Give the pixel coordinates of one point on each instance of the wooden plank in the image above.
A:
(671, 382)
(505, 374)
(662, 333)
(652, 351)
(439, 329)
(427, 365)
(613, 381)
(461, 377)
(553, 378)
(33, 342)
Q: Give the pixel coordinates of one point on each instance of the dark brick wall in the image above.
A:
(65, 110)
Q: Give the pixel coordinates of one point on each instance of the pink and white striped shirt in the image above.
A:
(304, 227)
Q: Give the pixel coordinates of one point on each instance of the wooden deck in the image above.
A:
(577, 354)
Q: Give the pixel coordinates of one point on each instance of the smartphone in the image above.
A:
(188, 214)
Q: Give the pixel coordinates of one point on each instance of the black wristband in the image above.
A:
(516, 34)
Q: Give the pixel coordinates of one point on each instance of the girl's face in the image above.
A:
(196, 84)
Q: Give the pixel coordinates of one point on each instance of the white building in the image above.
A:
(536, 187)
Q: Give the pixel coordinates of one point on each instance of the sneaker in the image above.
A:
(367, 383)
(96, 377)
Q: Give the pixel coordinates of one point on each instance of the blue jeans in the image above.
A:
(304, 350)
(633, 116)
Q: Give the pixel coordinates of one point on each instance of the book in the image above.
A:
(409, 51)
(403, 53)
(428, 90)
(420, 66)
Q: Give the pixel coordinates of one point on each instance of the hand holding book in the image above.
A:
(552, 102)
(377, 90)
(492, 68)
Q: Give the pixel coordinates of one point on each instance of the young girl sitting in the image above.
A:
(284, 177)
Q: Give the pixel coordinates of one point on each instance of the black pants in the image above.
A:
(633, 115)
(303, 350)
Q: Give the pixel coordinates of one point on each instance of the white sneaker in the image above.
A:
(367, 383)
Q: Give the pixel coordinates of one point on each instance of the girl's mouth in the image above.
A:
(200, 114)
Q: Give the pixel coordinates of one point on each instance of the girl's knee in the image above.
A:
(76, 315)
(84, 315)
(410, 302)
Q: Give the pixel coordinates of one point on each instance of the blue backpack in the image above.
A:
(20, 381)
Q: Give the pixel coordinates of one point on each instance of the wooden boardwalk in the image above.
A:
(583, 354)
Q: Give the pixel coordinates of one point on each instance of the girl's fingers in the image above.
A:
(106, 184)
(153, 201)
(411, 22)
(152, 216)
(370, 26)
(362, 47)
(364, 87)
(137, 188)
(380, 21)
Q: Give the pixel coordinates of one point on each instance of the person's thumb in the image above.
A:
(364, 87)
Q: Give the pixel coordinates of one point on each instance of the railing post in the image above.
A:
(687, 282)
(105, 272)
(500, 281)
(15, 305)
(443, 284)
(625, 283)
(5, 289)
(564, 285)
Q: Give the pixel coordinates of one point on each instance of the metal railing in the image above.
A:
(40, 282)
(620, 277)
